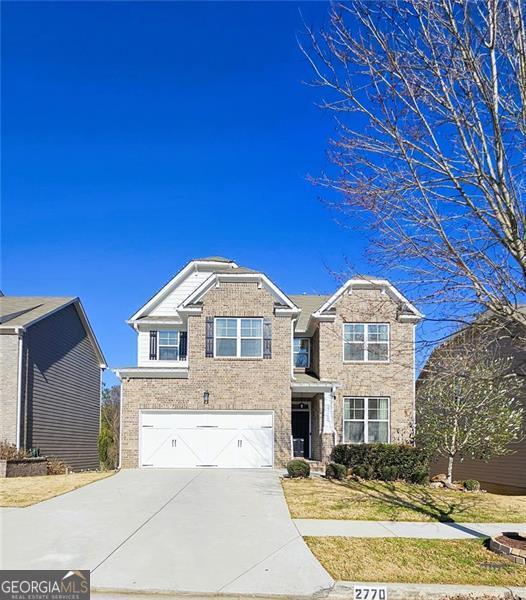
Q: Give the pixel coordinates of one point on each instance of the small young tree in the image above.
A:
(467, 405)
(109, 427)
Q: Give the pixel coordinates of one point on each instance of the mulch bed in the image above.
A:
(512, 540)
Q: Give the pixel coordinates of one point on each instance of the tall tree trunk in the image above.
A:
(450, 468)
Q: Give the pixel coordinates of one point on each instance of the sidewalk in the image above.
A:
(373, 529)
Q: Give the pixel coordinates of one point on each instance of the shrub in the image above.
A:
(10, 452)
(420, 476)
(298, 468)
(389, 473)
(379, 461)
(472, 485)
(56, 466)
(336, 471)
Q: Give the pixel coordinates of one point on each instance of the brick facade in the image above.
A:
(8, 387)
(394, 379)
(240, 384)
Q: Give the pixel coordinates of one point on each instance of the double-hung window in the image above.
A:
(366, 342)
(168, 342)
(302, 353)
(366, 420)
(238, 337)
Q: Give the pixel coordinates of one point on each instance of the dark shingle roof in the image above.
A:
(309, 304)
(19, 311)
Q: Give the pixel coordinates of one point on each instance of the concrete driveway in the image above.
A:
(204, 531)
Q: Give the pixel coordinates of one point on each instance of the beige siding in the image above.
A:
(168, 306)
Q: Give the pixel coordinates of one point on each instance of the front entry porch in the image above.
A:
(312, 418)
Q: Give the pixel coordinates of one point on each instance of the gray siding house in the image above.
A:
(50, 378)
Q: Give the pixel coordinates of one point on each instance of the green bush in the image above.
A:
(298, 468)
(472, 485)
(421, 477)
(336, 471)
(389, 473)
(384, 461)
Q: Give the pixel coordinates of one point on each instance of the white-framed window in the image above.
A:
(168, 345)
(238, 337)
(302, 353)
(365, 342)
(365, 420)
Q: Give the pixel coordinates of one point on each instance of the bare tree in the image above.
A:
(468, 403)
(108, 442)
(430, 105)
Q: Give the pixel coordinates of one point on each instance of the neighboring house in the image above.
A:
(504, 474)
(232, 372)
(50, 378)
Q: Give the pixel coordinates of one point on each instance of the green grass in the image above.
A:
(462, 562)
(319, 498)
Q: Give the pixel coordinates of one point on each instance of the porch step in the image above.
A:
(316, 465)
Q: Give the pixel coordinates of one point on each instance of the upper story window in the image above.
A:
(168, 345)
(366, 420)
(302, 353)
(238, 337)
(366, 342)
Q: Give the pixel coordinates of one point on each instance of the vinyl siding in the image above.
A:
(62, 390)
(168, 306)
(143, 345)
(8, 387)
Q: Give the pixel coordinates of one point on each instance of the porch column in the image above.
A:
(327, 433)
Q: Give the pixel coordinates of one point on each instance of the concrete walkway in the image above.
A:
(373, 529)
(181, 530)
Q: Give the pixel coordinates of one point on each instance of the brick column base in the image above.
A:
(327, 444)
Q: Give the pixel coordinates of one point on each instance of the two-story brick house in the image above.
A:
(232, 372)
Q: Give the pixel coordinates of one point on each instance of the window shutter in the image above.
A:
(267, 338)
(183, 344)
(209, 333)
(153, 345)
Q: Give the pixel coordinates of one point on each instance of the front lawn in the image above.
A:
(462, 562)
(319, 498)
(24, 491)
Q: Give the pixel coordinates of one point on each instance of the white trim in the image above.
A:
(313, 388)
(19, 387)
(207, 410)
(216, 278)
(365, 420)
(152, 373)
(238, 337)
(366, 343)
(168, 287)
(382, 284)
(302, 337)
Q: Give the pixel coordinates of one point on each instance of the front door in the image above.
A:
(301, 432)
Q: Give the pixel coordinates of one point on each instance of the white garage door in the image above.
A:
(177, 439)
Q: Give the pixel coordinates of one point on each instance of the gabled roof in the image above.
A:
(21, 312)
(408, 311)
(282, 300)
(309, 304)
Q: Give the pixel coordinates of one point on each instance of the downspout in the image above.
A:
(20, 333)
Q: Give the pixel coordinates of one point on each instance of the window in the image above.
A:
(366, 342)
(239, 337)
(302, 353)
(168, 345)
(366, 420)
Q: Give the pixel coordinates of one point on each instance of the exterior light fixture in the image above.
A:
(206, 397)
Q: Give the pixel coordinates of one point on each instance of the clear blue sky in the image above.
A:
(138, 135)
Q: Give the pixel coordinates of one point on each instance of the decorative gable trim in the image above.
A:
(188, 306)
(411, 313)
(174, 282)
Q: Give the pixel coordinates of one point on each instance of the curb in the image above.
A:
(344, 590)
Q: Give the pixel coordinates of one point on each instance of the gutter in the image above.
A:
(20, 332)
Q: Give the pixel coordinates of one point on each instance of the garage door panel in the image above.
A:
(172, 439)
